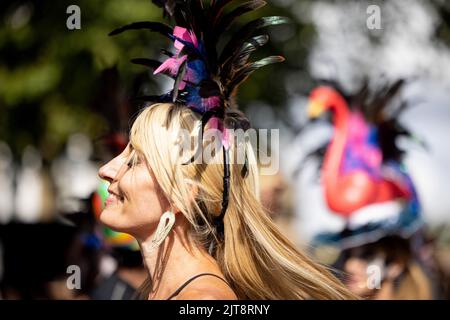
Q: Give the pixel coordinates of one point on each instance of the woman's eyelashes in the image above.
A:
(130, 162)
(134, 160)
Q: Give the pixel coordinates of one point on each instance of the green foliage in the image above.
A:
(49, 74)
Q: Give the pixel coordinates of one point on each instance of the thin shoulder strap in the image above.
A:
(177, 292)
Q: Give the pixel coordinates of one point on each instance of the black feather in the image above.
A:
(167, 53)
(246, 71)
(178, 79)
(236, 119)
(246, 31)
(241, 56)
(162, 28)
(217, 7)
(223, 24)
(153, 64)
(167, 5)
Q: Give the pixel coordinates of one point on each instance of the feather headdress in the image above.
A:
(205, 80)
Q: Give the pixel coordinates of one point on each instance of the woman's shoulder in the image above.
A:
(207, 288)
(196, 294)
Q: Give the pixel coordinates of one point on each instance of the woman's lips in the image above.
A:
(111, 199)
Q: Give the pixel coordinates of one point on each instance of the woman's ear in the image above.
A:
(193, 192)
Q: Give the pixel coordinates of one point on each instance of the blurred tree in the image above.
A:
(48, 74)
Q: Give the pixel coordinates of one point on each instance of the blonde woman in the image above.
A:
(254, 261)
(201, 228)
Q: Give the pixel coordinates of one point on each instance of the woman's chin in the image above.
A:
(107, 218)
(116, 222)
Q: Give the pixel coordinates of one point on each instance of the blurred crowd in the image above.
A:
(53, 247)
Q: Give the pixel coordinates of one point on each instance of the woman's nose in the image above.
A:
(108, 171)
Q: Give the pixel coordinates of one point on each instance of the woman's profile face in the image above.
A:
(135, 202)
(357, 278)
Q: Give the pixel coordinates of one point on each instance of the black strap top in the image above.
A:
(177, 292)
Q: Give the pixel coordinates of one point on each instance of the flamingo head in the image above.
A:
(322, 99)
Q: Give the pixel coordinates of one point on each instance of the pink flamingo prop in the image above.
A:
(354, 172)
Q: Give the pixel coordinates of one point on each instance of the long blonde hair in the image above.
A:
(256, 258)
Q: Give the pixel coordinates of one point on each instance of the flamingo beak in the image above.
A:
(314, 109)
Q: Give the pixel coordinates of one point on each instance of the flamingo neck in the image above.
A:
(335, 152)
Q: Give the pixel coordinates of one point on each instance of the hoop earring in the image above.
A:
(164, 226)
